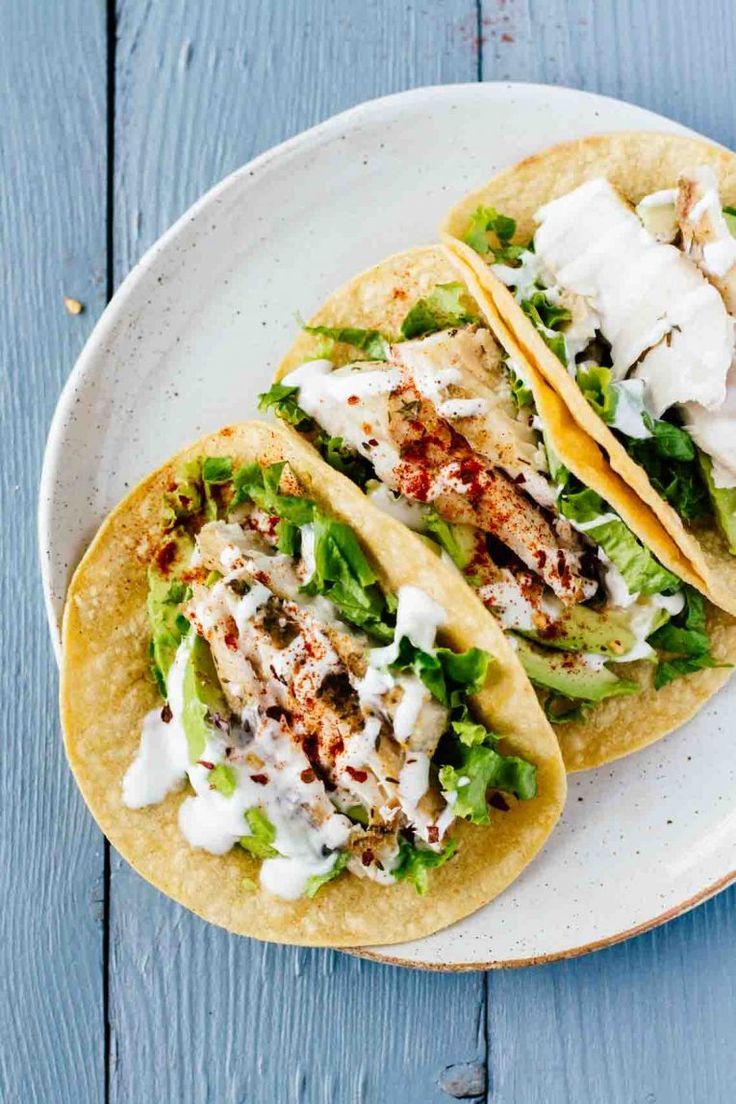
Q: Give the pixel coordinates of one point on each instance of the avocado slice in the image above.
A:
(203, 697)
(723, 500)
(567, 674)
(166, 592)
(581, 629)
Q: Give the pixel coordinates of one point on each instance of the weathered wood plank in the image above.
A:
(651, 1020)
(197, 1014)
(674, 58)
(52, 226)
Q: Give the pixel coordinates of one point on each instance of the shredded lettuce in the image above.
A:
(723, 500)
(260, 842)
(485, 221)
(596, 384)
(521, 393)
(343, 574)
(222, 778)
(282, 399)
(670, 459)
(415, 861)
(685, 641)
(546, 317)
(479, 768)
(371, 343)
(447, 305)
(449, 676)
(261, 485)
(315, 883)
(641, 571)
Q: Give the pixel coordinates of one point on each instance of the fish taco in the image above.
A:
(285, 714)
(613, 261)
(410, 385)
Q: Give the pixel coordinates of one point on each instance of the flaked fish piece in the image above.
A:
(705, 234)
(462, 373)
(438, 466)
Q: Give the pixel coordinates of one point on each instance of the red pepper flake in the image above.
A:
(307, 776)
(433, 833)
(165, 556)
(367, 857)
(357, 775)
(204, 763)
(353, 400)
(261, 779)
(499, 802)
(231, 640)
(166, 713)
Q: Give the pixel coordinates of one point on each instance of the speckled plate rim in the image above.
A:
(558, 956)
(115, 312)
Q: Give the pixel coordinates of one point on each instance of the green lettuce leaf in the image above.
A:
(371, 343)
(595, 383)
(723, 501)
(485, 221)
(446, 306)
(450, 677)
(343, 574)
(260, 842)
(669, 458)
(685, 642)
(480, 769)
(344, 459)
(222, 779)
(261, 485)
(315, 883)
(282, 399)
(414, 862)
(520, 392)
(547, 318)
(641, 571)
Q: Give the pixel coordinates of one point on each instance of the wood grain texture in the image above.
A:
(200, 89)
(197, 1015)
(672, 57)
(52, 226)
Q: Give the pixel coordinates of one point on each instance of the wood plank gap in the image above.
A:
(479, 38)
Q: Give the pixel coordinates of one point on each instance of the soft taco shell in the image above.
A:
(379, 299)
(636, 163)
(106, 690)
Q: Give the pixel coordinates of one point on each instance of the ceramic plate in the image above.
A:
(194, 334)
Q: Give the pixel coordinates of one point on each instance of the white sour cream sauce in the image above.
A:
(307, 842)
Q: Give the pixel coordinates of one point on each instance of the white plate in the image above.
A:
(194, 334)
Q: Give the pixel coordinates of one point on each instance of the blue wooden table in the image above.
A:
(115, 117)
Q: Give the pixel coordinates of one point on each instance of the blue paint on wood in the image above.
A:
(196, 1015)
(52, 227)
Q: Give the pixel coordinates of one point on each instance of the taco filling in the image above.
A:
(441, 430)
(312, 714)
(638, 305)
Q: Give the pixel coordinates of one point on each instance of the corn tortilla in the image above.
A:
(379, 299)
(106, 690)
(637, 164)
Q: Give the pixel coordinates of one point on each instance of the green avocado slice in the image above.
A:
(581, 629)
(724, 503)
(566, 674)
(203, 697)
